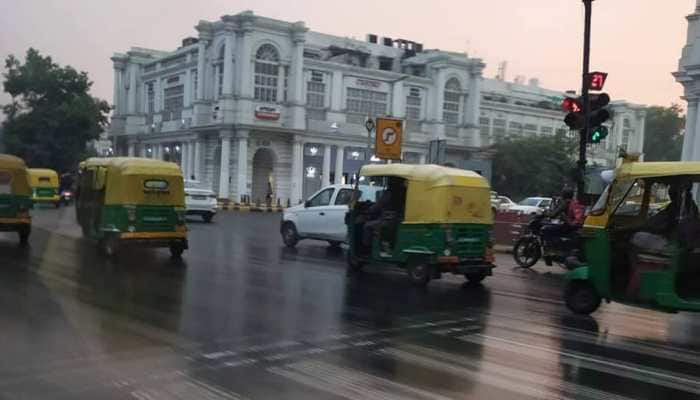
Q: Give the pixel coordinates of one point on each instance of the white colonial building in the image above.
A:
(255, 106)
(688, 75)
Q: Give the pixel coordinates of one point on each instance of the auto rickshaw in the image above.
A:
(641, 241)
(15, 197)
(428, 219)
(44, 183)
(126, 201)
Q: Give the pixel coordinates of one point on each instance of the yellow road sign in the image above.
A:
(389, 134)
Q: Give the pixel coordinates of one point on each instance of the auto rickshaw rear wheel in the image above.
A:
(475, 277)
(581, 297)
(176, 250)
(24, 236)
(419, 272)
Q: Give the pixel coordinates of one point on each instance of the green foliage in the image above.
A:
(662, 133)
(52, 115)
(530, 166)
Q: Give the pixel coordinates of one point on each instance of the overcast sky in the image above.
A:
(637, 41)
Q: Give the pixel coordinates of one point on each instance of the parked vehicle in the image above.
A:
(322, 216)
(427, 220)
(201, 202)
(505, 203)
(637, 252)
(132, 202)
(15, 197)
(531, 246)
(44, 183)
(532, 205)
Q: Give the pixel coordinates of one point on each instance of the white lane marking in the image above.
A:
(474, 375)
(616, 367)
(350, 383)
(491, 368)
(185, 389)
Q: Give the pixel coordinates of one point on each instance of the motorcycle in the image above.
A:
(531, 246)
(66, 197)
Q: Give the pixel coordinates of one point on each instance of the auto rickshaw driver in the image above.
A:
(385, 214)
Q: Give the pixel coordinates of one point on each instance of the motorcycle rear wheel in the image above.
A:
(527, 251)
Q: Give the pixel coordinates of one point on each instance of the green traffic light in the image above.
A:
(599, 133)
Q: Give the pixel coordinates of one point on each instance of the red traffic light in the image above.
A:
(596, 80)
(571, 105)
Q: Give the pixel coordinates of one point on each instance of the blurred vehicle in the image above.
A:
(641, 241)
(44, 183)
(200, 201)
(428, 220)
(66, 196)
(532, 205)
(505, 203)
(322, 216)
(132, 202)
(15, 197)
(532, 245)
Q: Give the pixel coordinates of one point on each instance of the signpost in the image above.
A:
(388, 138)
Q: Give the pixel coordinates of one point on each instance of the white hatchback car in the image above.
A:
(202, 202)
(322, 216)
(532, 205)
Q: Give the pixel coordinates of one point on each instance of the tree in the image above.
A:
(530, 166)
(52, 116)
(663, 140)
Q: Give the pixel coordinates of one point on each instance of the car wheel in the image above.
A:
(581, 297)
(289, 235)
(207, 217)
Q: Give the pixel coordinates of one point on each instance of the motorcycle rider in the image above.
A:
(569, 212)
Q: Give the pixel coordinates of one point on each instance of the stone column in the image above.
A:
(201, 50)
(197, 159)
(118, 85)
(190, 159)
(326, 170)
(297, 170)
(227, 90)
(157, 96)
(296, 75)
(339, 163)
(131, 149)
(131, 109)
(242, 169)
(246, 56)
(187, 96)
(184, 160)
(398, 100)
(694, 153)
(421, 158)
(690, 126)
(337, 91)
(225, 158)
(159, 151)
(280, 83)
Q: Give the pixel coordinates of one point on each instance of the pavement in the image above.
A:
(243, 317)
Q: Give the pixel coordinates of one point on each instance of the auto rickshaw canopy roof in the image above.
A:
(126, 180)
(437, 194)
(50, 177)
(656, 168)
(20, 176)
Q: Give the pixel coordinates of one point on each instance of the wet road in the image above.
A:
(244, 317)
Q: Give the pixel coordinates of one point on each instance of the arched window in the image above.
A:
(452, 102)
(267, 65)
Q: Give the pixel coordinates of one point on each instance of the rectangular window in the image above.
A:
(366, 102)
(547, 130)
(286, 82)
(266, 77)
(315, 94)
(219, 82)
(626, 134)
(173, 102)
(173, 61)
(150, 97)
(484, 121)
(530, 127)
(386, 63)
(515, 125)
(499, 123)
(413, 104)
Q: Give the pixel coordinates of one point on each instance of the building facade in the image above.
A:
(688, 75)
(255, 107)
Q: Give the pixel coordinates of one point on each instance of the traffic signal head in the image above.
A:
(571, 105)
(574, 118)
(598, 133)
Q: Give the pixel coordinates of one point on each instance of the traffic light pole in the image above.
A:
(583, 137)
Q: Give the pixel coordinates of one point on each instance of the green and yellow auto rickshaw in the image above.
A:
(132, 201)
(427, 219)
(642, 241)
(15, 197)
(44, 183)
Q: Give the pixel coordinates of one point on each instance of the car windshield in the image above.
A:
(530, 201)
